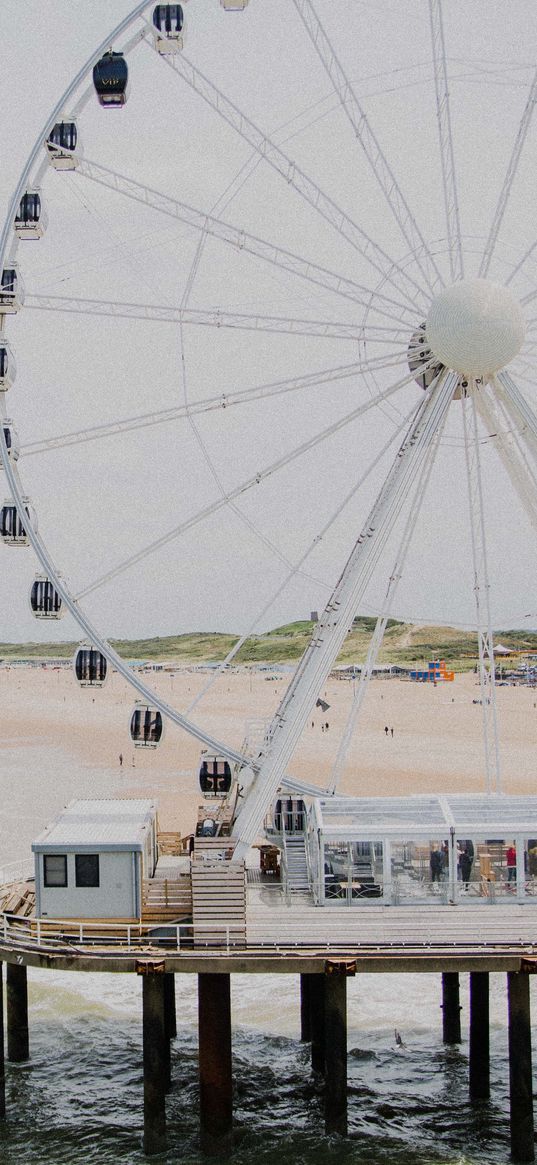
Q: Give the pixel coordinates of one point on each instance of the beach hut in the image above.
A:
(91, 861)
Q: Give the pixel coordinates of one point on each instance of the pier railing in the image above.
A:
(392, 930)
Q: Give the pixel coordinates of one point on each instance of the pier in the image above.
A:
(324, 949)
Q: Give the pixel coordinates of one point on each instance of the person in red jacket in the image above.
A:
(510, 861)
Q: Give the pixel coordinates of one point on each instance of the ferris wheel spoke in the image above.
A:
(519, 409)
(518, 266)
(410, 288)
(298, 568)
(218, 318)
(223, 400)
(487, 675)
(445, 137)
(255, 480)
(387, 607)
(509, 179)
(370, 144)
(241, 240)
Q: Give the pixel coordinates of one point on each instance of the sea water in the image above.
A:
(79, 1098)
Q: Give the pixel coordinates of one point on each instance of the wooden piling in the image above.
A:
(156, 1048)
(479, 1036)
(18, 1044)
(305, 1008)
(169, 1004)
(318, 1034)
(335, 1017)
(2, 1059)
(215, 1063)
(520, 1077)
(451, 1010)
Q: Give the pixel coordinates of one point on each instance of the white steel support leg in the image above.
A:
(447, 157)
(333, 627)
(482, 593)
(380, 626)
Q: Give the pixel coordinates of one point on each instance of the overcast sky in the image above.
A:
(101, 503)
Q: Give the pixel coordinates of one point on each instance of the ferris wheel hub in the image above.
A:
(475, 327)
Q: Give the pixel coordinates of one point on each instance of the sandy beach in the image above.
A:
(436, 744)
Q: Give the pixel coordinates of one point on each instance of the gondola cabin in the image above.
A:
(62, 138)
(90, 667)
(8, 368)
(146, 726)
(289, 815)
(11, 290)
(45, 602)
(168, 24)
(215, 776)
(31, 219)
(12, 528)
(234, 5)
(111, 80)
(11, 439)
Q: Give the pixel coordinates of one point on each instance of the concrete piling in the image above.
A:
(215, 1063)
(451, 1010)
(520, 1075)
(18, 1044)
(335, 1018)
(479, 1036)
(305, 1008)
(156, 1049)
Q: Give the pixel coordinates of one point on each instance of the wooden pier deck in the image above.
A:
(278, 928)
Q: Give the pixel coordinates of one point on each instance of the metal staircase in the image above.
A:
(297, 875)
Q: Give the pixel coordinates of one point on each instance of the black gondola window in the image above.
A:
(90, 666)
(44, 597)
(64, 135)
(29, 209)
(9, 281)
(168, 17)
(146, 726)
(10, 523)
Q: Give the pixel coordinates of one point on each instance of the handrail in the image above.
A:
(135, 939)
(17, 871)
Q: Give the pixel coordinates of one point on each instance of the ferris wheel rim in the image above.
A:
(10, 473)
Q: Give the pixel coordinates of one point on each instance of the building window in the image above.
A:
(55, 869)
(87, 869)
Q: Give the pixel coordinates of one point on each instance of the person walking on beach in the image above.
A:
(121, 760)
(391, 730)
(386, 730)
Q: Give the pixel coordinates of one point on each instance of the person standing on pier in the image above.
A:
(510, 861)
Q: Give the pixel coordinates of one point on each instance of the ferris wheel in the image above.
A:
(205, 217)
